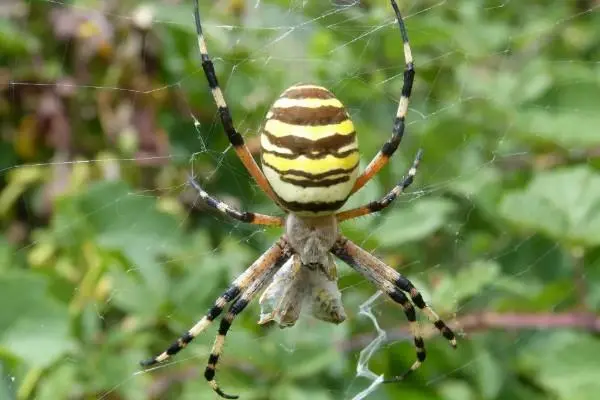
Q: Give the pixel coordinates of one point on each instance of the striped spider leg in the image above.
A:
(236, 140)
(240, 304)
(396, 286)
(385, 201)
(260, 271)
(390, 146)
(243, 216)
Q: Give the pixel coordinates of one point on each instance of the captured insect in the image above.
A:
(310, 159)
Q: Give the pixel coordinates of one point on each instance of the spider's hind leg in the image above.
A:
(236, 308)
(392, 283)
(259, 268)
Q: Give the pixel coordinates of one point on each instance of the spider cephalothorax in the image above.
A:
(310, 162)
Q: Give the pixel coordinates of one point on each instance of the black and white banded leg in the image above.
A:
(255, 272)
(395, 286)
(390, 146)
(236, 308)
(379, 205)
(224, 208)
(236, 140)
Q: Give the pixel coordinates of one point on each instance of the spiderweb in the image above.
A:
(124, 249)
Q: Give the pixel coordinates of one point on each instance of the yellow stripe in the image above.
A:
(284, 102)
(279, 129)
(307, 165)
(268, 146)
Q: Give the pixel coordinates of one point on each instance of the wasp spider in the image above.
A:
(310, 164)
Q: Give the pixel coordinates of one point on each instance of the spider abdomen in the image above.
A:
(309, 150)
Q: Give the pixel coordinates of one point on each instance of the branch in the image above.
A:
(489, 320)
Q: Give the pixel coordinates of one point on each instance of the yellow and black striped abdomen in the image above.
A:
(309, 150)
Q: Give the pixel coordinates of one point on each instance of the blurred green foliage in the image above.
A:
(107, 255)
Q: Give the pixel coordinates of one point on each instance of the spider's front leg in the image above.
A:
(392, 283)
(224, 208)
(385, 201)
(236, 140)
(389, 147)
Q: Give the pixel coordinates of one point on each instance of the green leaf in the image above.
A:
(113, 368)
(571, 369)
(415, 221)
(59, 380)
(567, 129)
(35, 327)
(7, 384)
(7, 259)
(16, 42)
(490, 375)
(469, 281)
(294, 392)
(132, 224)
(457, 390)
(563, 204)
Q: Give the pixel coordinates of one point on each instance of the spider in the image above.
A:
(310, 158)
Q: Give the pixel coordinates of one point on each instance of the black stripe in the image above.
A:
(303, 146)
(419, 342)
(446, 332)
(209, 373)
(224, 326)
(421, 354)
(174, 348)
(418, 300)
(375, 206)
(225, 395)
(311, 183)
(214, 312)
(238, 306)
(213, 359)
(400, 297)
(315, 206)
(231, 293)
(310, 116)
(186, 338)
(234, 137)
(148, 363)
(409, 77)
(405, 285)
(311, 156)
(397, 132)
(308, 175)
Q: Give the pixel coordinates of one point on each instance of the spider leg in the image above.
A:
(244, 216)
(390, 146)
(394, 285)
(233, 135)
(236, 308)
(379, 205)
(258, 269)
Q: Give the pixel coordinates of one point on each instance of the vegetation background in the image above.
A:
(107, 254)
